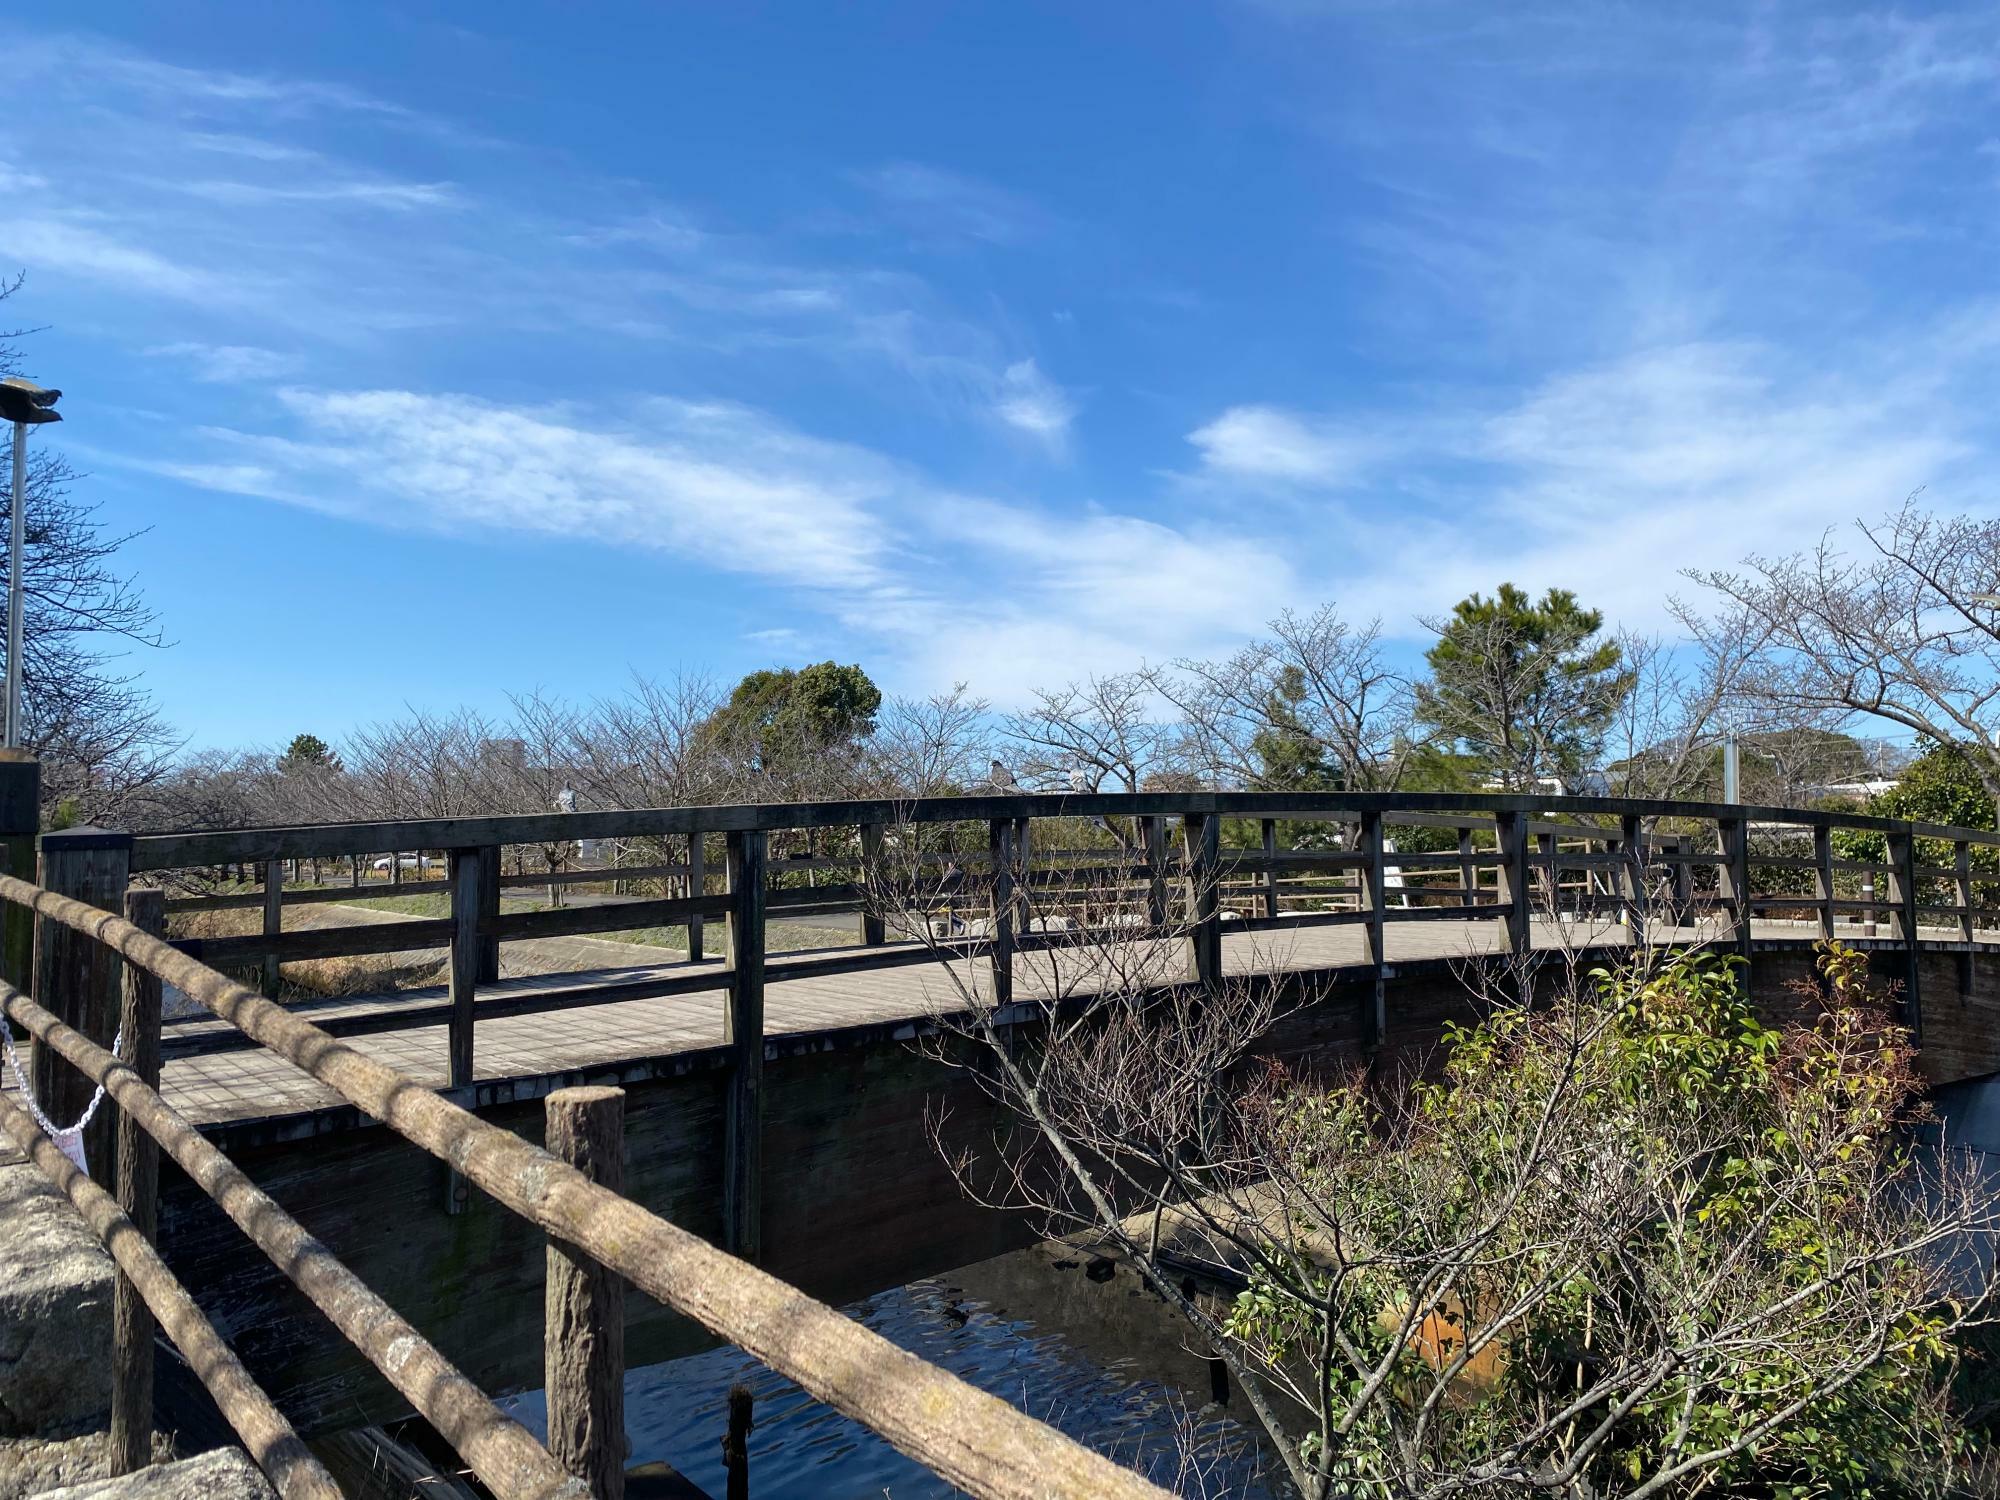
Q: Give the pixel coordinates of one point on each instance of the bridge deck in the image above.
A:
(252, 1084)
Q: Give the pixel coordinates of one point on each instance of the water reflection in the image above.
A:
(1076, 1342)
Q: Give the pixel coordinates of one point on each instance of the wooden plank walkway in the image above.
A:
(251, 1084)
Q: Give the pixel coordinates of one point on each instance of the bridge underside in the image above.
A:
(856, 1196)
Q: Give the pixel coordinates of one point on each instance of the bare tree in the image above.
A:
(1903, 630)
(931, 747)
(1101, 734)
(1316, 685)
(1570, 1266)
(101, 741)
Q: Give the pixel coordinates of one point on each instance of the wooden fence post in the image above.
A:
(1733, 888)
(1634, 890)
(1961, 866)
(78, 978)
(1374, 885)
(1000, 916)
(466, 871)
(1823, 878)
(1203, 832)
(466, 960)
(743, 1033)
(1154, 832)
(1468, 872)
(138, 1198)
(1270, 842)
(20, 821)
(274, 918)
(736, 1445)
(1903, 897)
(697, 885)
(1545, 859)
(583, 1339)
(489, 906)
(872, 931)
(1516, 890)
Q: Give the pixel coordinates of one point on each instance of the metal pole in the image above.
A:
(1732, 770)
(17, 535)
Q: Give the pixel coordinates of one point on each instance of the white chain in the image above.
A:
(69, 1141)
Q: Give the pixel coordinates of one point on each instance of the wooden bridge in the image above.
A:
(774, 1106)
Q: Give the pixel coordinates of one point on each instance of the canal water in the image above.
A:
(1076, 1341)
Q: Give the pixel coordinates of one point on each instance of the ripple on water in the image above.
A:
(677, 1411)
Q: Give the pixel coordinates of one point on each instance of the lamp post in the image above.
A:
(26, 405)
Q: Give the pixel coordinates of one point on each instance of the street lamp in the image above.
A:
(25, 404)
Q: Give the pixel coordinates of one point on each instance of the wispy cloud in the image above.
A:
(228, 364)
(936, 204)
(1030, 402)
(1270, 443)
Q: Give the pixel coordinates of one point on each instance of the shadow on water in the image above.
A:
(1073, 1340)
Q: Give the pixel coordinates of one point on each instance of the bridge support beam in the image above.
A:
(1204, 871)
(1374, 886)
(743, 1034)
(1516, 891)
(1903, 898)
(1000, 836)
(1733, 888)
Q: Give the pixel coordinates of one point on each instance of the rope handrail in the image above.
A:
(504, 1454)
(968, 1437)
(277, 1449)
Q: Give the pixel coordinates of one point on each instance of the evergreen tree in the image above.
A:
(1526, 687)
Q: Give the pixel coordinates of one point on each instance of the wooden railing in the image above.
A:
(597, 1239)
(1197, 865)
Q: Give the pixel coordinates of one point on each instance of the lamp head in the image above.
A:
(24, 401)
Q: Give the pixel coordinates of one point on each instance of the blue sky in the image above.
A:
(453, 350)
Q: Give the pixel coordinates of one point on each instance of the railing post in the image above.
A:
(1203, 832)
(697, 885)
(466, 872)
(583, 1338)
(1634, 891)
(1468, 872)
(489, 906)
(1903, 897)
(736, 1445)
(138, 1199)
(1154, 832)
(77, 977)
(1545, 860)
(872, 931)
(1270, 842)
(743, 1033)
(1961, 865)
(467, 869)
(20, 820)
(1733, 887)
(1373, 898)
(1823, 878)
(1000, 917)
(1516, 895)
(274, 918)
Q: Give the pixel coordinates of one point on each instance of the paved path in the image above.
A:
(253, 1083)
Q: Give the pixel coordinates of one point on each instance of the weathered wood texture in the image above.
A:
(79, 979)
(138, 1198)
(583, 1335)
(20, 820)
